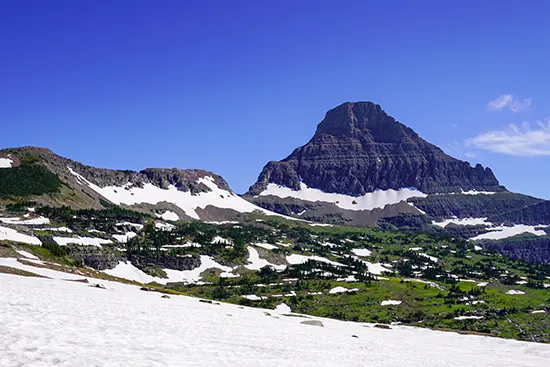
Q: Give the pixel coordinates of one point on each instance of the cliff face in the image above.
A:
(358, 148)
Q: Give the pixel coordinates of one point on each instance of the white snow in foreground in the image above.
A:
(361, 252)
(8, 234)
(514, 292)
(390, 302)
(123, 238)
(468, 318)
(26, 254)
(301, 259)
(29, 222)
(256, 263)
(47, 322)
(5, 163)
(78, 240)
(267, 246)
(462, 222)
(538, 311)
(369, 201)
(186, 201)
(169, 215)
(497, 233)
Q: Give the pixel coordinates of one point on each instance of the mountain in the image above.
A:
(38, 174)
(362, 166)
(358, 148)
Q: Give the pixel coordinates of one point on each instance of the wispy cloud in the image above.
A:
(515, 140)
(510, 102)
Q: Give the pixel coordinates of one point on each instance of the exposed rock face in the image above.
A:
(95, 257)
(166, 262)
(536, 250)
(538, 213)
(358, 148)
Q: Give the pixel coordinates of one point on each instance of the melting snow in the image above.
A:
(515, 292)
(497, 233)
(369, 201)
(390, 302)
(301, 259)
(267, 246)
(256, 263)
(123, 238)
(361, 252)
(462, 222)
(127, 270)
(282, 308)
(85, 241)
(5, 162)
(342, 290)
(169, 215)
(468, 318)
(30, 222)
(63, 229)
(137, 226)
(26, 254)
(9, 234)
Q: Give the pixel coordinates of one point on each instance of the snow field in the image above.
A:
(46, 322)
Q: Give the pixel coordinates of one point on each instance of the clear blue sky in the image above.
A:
(229, 85)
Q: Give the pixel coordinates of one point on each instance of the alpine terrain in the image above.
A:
(367, 243)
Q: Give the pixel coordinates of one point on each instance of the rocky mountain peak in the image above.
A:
(358, 148)
(366, 120)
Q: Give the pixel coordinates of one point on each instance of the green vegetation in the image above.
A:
(27, 180)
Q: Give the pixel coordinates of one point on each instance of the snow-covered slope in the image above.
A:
(51, 322)
(185, 200)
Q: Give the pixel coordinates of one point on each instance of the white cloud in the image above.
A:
(510, 102)
(515, 140)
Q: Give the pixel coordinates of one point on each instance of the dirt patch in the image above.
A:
(14, 271)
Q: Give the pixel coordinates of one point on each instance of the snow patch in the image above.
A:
(266, 246)
(361, 252)
(390, 302)
(84, 241)
(295, 259)
(500, 232)
(468, 318)
(5, 163)
(514, 292)
(256, 263)
(26, 254)
(123, 238)
(369, 201)
(169, 215)
(30, 222)
(462, 222)
(337, 290)
(8, 234)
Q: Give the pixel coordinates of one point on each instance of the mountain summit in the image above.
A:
(358, 148)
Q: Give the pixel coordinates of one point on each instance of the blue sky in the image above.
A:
(228, 86)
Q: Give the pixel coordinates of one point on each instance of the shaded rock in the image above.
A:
(382, 326)
(312, 323)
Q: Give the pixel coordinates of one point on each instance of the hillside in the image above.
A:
(39, 175)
